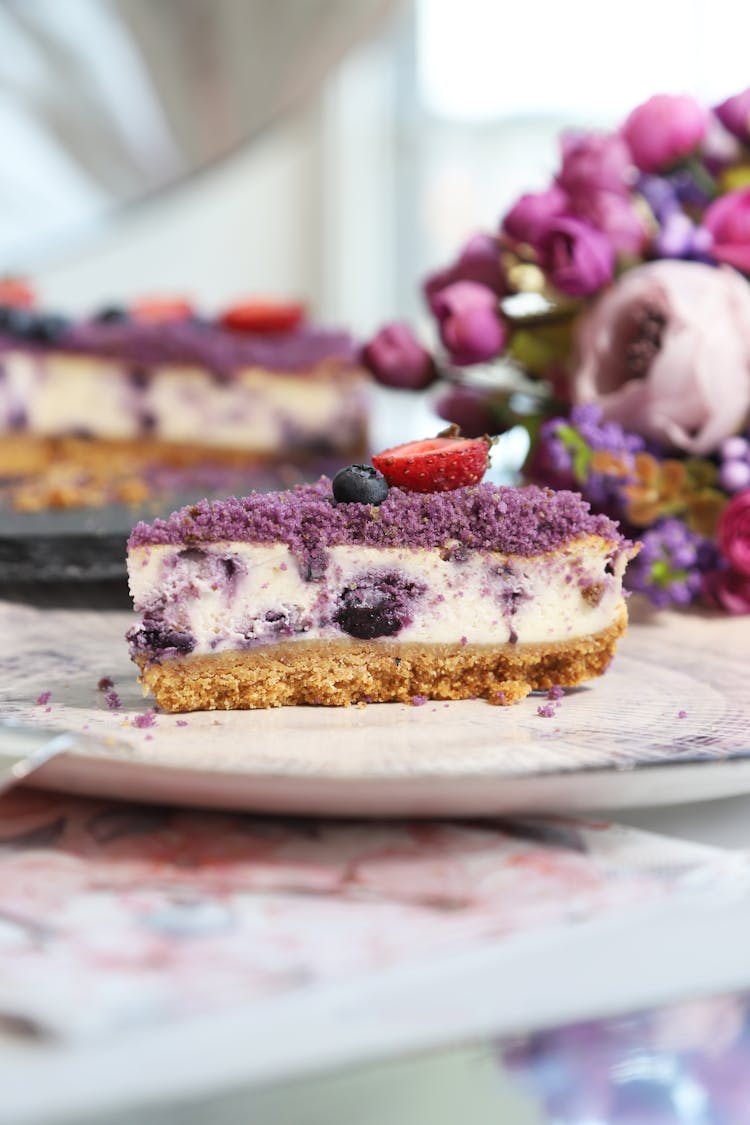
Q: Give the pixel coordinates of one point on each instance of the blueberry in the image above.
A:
(111, 314)
(47, 328)
(359, 484)
(376, 605)
(155, 636)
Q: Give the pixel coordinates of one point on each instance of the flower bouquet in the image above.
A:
(610, 316)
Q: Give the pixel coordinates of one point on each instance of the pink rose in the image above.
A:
(664, 130)
(594, 162)
(397, 359)
(728, 220)
(734, 114)
(578, 259)
(479, 260)
(727, 590)
(469, 318)
(734, 533)
(666, 353)
(528, 218)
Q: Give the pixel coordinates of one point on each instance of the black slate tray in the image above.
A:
(89, 544)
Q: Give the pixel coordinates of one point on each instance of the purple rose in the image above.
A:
(615, 216)
(734, 114)
(666, 353)
(664, 130)
(528, 218)
(470, 408)
(479, 261)
(397, 359)
(594, 162)
(728, 220)
(469, 318)
(578, 259)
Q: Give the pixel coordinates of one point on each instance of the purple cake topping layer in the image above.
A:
(196, 343)
(516, 521)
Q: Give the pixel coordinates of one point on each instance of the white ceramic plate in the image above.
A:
(668, 723)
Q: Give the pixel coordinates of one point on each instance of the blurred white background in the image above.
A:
(427, 129)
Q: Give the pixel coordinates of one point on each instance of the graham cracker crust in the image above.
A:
(339, 673)
(72, 472)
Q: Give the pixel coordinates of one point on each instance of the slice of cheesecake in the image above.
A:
(295, 598)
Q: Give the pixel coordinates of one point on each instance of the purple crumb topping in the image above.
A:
(43, 698)
(113, 701)
(555, 692)
(182, 722)
(548, 711)
(682, 714)
(485, 517)
(147, 719)
(191, 342)
(418, 700)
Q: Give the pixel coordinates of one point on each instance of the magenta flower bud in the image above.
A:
(469, 320)
(734, 114)
(728, 220)
(469, 408)
(616, 218)
(479, 260)
(396, 359)
(578, 259)
(664, 130)
(528, 218)
(593, 162)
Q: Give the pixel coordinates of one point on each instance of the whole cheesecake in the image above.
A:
(296, 598)
(108, 391)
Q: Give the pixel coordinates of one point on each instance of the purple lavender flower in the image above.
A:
(679, 237)
(734, 472)
(659, 194)
(669, 569)
(565, 450)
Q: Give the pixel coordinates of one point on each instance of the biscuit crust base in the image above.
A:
(339, 673)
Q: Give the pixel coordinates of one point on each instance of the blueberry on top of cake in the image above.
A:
(351, 589)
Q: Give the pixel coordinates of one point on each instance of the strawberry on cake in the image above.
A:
(407, 578)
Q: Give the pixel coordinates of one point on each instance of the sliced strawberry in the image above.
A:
(263, 316)
(436, 465)
(161, 310)
(16, 293)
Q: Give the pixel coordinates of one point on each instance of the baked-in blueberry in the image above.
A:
(377, 605)
(359, 484)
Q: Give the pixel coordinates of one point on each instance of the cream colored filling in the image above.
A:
(467, 602)
(255, 410)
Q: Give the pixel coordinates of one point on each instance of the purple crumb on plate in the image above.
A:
(113, 701)
(555, 692)
(418, 700)
(548, 711)
(682, 714)
(485, 517)
(43, 698)
(182, 722)
(147, 719)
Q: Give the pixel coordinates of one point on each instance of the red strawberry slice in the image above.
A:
(436, 465)
(263, 316)
(16, 293)
(161, 310)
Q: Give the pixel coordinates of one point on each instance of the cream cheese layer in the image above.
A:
(228, 596)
